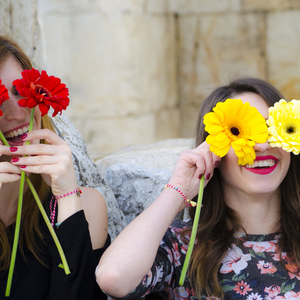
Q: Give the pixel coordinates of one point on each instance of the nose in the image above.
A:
(261, 148)
(12, 110)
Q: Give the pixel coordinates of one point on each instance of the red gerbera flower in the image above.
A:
(3, 95)
(39, 89)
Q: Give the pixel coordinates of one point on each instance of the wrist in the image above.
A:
(77, 191)
(187, 202)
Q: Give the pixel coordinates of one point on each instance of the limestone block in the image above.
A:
(157, 6)
(137, 174)
(120, 6)
(183, 7)
(269, 5)
(87, 173)
(167, 124)
(283, 52)
(208, 55)
(189, 120)
(19, 21)
(5, 17)
(124, 64)
(57, 47)
(108, 134)
(67, 6)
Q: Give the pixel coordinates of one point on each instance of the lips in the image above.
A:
(263, 165)
(14, 136)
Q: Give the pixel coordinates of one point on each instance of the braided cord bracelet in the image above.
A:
(186, 201)
(53, 204)
(77, 191)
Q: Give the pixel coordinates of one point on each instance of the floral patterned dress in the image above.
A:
(250, 271)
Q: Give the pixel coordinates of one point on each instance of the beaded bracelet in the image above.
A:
(77, 191)
(186, 201)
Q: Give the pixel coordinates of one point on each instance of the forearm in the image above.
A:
(131, 255)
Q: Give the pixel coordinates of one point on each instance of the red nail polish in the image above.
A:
(217, 164)
(24, 136)
(200, 176)
(23, 167)
(13, 149)
(14, 159)
(207, 176)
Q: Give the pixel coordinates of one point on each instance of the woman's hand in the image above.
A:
(192, 164)
(53, 161)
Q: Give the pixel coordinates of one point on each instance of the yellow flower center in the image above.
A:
(290, 129)
(235, 131)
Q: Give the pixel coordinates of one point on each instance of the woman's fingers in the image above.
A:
(191, 166)
(37, 149)
(9, 172)
(40, 160)
(47, 134)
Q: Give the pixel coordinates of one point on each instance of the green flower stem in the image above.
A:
(54, 236)
(18, 218)
(16, 237)
(193, 234)
(3, 139)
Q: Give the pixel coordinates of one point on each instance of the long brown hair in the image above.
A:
(30, 233)
(213, 235)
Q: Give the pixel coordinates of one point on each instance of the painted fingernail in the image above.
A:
(207, 176)
(217, 164)
(13, 149)
(22, 166)
(200, 176)
(24, 136)
(14, 159)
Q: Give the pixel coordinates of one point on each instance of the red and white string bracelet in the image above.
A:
(53, 206)
(186, 201)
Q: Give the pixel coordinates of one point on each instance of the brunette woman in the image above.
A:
(248, 243)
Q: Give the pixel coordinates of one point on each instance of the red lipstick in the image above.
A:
(265, 170)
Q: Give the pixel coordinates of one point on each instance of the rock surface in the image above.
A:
(138, 174)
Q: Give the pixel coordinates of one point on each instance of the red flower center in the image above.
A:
(42, 91)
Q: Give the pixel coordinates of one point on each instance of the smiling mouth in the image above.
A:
(261, 164)
(15, 135)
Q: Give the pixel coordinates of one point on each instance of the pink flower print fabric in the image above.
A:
(250, 270)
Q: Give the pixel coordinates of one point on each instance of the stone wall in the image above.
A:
(119, 60)
(138, 69)
(18, 20)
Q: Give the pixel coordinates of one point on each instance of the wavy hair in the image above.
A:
(213, 235)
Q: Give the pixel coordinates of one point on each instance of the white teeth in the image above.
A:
(17, 132)
(262, 163)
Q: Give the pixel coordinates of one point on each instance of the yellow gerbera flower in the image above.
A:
(237, 124)
(284, 125)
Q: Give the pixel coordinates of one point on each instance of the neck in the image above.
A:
(258, 214)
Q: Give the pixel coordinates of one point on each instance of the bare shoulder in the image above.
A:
(94, 206)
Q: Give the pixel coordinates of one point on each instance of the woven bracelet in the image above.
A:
(77, 191)
(186, 201)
